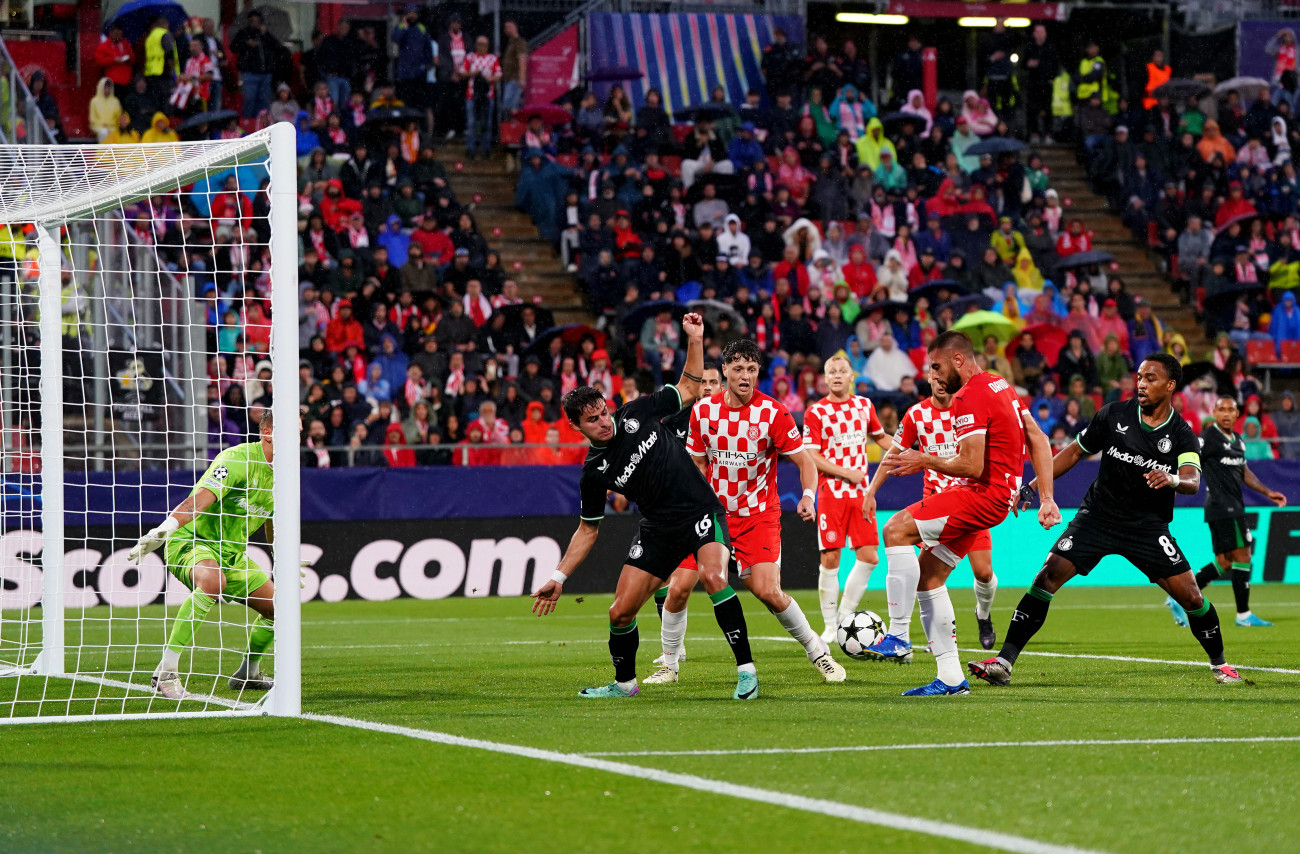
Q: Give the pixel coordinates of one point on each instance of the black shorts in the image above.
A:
(660, 549)
(1228, 535)
(1152, 550)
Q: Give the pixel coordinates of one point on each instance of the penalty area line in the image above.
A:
(819, 806)
(958, 745)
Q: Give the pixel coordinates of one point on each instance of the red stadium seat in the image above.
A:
(1153, 235)
(672, 164)
(570, 160)
(512, 133)
(681, 131)
(1261, 352)
(1291, 352)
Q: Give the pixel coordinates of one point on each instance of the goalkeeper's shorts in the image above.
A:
(242, 575)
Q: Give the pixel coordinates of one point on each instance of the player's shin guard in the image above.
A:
(731, 619)
(794, 622)
(984, 593)
(671, 632)
(1031, 613)
(623, 641)
(828, 594)
(1241, 587)
(855, 586)
(660, 596)
(193, 611)
(260, 638)
(1204, 623)
(940, 624)
(900, 588)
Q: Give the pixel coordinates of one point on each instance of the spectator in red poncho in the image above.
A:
(335, 207)
(1111, 323)
(793, 271)
(470, 450)
(344, 330)
(231, 207)
(115, 56)
(859, 274)
(552, 454)
(437, 246)
(1254, 408)
(1233, 206)
(396, 454)
(569, 435)
(1074, 239)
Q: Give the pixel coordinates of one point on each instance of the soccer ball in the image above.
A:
(858, 631)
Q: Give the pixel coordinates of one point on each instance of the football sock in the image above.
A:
(828, 594)
(623, 641)
(1208, 573)
(940, 625)
(1031, 613)
(193, 610)
(1241, 588)
(900, 588)
(1204, 623)
(672, 632)
(984, 593)
(855, 586)
(259, 639)
(796, 624)
(660, 595)
(731, 619)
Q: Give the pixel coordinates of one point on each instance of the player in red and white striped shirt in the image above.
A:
(736, 437)
(835, 433)
(927, 426)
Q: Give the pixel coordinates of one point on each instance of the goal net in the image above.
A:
(147, 320)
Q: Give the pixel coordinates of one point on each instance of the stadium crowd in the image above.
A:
(808, 218)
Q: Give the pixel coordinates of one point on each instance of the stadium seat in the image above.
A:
(1153, 235)
(672, 164)
(512, 133)
(681, 131)
(1291, 352)
(570, 160)
(1261, 352)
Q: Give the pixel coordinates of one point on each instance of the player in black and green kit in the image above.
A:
(207, 538)
(1147, 454)
(1223, 459)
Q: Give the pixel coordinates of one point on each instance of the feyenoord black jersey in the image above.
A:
(680, 423)
(1223, 460)
(1129, 449)
(648, 464)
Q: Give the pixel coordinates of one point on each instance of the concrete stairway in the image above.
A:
(1136, 266)
(512, 233)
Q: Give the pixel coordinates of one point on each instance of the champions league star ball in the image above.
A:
(858, 631)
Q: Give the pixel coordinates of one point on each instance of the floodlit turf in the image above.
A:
(487, 669)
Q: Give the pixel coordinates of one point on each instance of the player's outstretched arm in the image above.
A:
(808, 479)
(579, 547)
(1271, 494)
(1040, 456)
(184, 513)
(693, 372)
(968, 461)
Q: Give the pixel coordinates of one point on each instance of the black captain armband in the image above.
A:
(692, 377)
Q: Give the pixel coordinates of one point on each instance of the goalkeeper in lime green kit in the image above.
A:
(206, 539)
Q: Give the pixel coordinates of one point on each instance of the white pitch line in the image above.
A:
(834, 809)
(1141, 660)
(957, 745)
(131, 686)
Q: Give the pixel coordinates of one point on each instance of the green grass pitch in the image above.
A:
(487, 669)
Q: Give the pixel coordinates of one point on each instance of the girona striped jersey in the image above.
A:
(742, 445)
(838, 430)
(928, 428)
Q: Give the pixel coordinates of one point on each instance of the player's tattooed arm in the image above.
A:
(688, 387)
(580, 544)
(1271, 494)
(1186, 482)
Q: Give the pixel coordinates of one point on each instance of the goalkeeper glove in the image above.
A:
(302, 572)
(153, 539)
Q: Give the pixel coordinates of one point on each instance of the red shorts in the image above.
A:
(755, 539)
(840, 523)
(689, 563)
(956, 522)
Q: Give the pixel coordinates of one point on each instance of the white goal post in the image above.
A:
(120, 381)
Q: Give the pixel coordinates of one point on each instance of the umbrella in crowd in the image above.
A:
(1239, 218)
(380, 115)
(571, 335)
(636, 318)
(614, 74)
(711, 310)
(979, 325)
(135, 17)
(961, 305)
(1225, 298)
(889, 307)
(894, 121)
(548, 113)
(214, 117)
(996, 145)
(1181, 88)
(1198, 370)
(1048, 340)
(934, 291)
(1084, 259)
(1243, 85)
